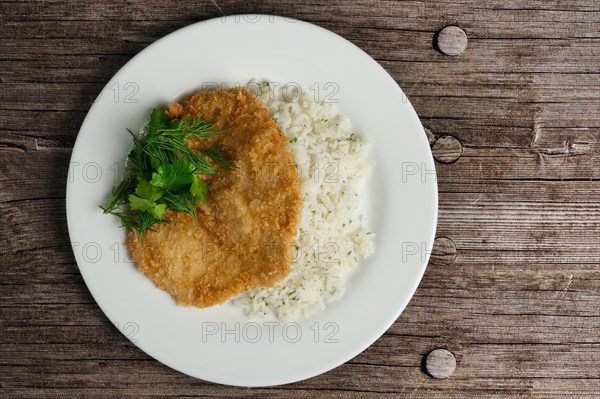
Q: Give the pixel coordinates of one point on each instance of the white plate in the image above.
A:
(220, 344)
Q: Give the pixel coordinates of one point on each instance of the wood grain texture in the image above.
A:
(513, 287)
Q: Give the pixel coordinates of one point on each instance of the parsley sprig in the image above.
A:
(162, 172)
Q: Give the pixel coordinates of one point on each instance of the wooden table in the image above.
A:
(513, 286)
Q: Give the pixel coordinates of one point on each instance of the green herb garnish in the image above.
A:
(162, 172)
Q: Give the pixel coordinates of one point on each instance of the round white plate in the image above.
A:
(220, 344)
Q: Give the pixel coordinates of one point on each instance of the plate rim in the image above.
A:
(322, 368)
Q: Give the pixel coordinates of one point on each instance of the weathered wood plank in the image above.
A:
(27, 218)
(118, 376)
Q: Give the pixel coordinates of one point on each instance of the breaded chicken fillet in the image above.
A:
(246, 231)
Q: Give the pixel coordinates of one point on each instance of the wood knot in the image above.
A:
(443, 252)
(440, 363)
(446, 149)
(452, 40)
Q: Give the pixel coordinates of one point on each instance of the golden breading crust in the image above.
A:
(246, 233)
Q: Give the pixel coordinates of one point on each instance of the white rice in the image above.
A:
(333, 238)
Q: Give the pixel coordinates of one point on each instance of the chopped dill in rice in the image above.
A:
(332, 162)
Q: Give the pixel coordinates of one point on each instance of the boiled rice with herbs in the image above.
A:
(333, 237)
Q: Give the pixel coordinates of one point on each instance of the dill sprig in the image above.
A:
(216, 153)
(162, 172)
(120, 194)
